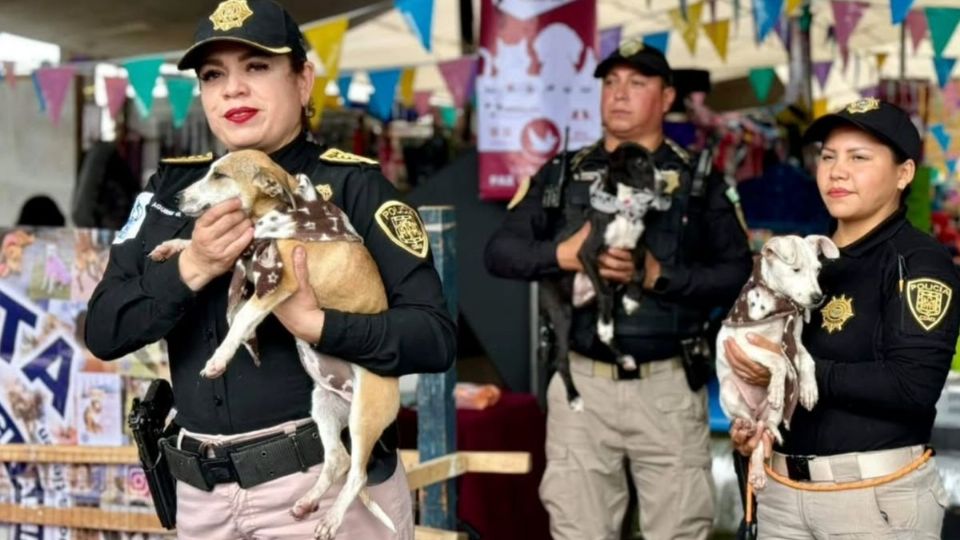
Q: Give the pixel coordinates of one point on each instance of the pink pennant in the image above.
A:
(116, 94)
(460, 75)
(917, 24)
(54, 82)
(421, 102)
(846, 16)
(9, 74)
(950, 96)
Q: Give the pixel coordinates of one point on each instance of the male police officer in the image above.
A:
(697, 259)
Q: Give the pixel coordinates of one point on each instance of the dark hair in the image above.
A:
(41, 211)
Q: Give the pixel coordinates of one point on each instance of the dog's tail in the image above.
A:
(376, 510)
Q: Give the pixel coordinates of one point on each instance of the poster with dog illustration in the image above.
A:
(99, 412)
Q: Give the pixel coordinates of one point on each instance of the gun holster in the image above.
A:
(697, 360)
(148, 423)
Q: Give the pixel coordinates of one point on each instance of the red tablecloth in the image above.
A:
(498, 506)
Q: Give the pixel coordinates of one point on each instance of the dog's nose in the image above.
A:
(816, 299)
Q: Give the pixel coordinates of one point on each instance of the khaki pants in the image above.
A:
(263, 512)
(656, 427)
(908, 508)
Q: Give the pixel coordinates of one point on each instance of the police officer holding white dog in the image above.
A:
(857, 466)
(650, 422)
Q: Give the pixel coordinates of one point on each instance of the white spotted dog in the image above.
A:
(287, 212)
(774, 304)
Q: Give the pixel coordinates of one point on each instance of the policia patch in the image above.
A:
(928, 300)
(403, 227)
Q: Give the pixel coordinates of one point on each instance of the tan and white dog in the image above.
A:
(287, 212)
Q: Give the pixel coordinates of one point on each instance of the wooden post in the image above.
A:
(436, 411)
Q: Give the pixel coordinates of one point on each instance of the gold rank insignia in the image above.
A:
(230, 14)
(335, 155)
(631, 47)
(186, 160)
(521, 192)
(863, 105)
(928, 300)
(325, 191)
(671, 181)
(836, 313)
(403, 227)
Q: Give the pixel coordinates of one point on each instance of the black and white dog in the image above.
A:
(619, 200)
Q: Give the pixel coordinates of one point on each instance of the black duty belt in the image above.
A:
(248, 463)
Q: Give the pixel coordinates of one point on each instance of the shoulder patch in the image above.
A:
(929, 300)
(678, 150)
(188, 160)
(335, 155)
(403, 227)
(521, 192)
(137, 215)
(325, 191)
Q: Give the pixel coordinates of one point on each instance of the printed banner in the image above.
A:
(536, 82)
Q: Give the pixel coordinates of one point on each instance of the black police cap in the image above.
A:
(262, 24)
(644, 58)
(885, 121)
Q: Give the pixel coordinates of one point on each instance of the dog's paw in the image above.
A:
(605, 332)
(213, 369)
(168, 249)
(775, 396)
(576, 405)
(809, 394)
(304, 506)
(630, 305)
(628, 363)
(328, 527)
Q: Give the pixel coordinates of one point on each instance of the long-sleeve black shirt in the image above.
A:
(140, 301)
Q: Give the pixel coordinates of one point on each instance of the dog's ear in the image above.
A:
(274, 182)
(780, 247)
(823, 245)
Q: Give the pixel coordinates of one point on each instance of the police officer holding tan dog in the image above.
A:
(248, 449)
(651, 422)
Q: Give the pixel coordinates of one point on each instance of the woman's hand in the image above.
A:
(219, 237)
(614, 264)
(745, 437)
(741, 364)
(301, 313)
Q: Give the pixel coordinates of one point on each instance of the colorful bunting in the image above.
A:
(765, 16)
(917, 24)
(658, 40)
(881, 60)
(421, 102)
(180, 93)
(343, 84)
(870, 92)
(942, 22)
(819, 107)
(11, 74)
(54, 82)
(784, 30)
(41, 101)
(952, 166)
(899, 10)
(718, 33)
(689, 25)
(419, 17)
(384, 92)
(610, 40)
(792, 6)
(327, 40)
(944, 67)
(460, 76)
(116, 88)
(821, 70)
(943, 138)
(761, 80)
(142, 75)
(449, 116)
(846, 17)
(406, 86)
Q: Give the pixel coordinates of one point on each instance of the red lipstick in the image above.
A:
(240, 115)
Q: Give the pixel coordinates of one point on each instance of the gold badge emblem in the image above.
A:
(325, 191)
(928, 300)
(403, 227)
(631, 47)
(836, 313)
(671, 181)
(521, 192)
(230, 14)
(863, 105)
(339, 156)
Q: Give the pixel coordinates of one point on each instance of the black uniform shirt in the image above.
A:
(882, 352)
(140, 301)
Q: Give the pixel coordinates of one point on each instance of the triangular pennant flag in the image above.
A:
(419, 17)
(944, 67)
(761, 80)
(689, 26)
(343, 84)
(610, 40)
(657, 40)
(844, 57)
(718, 33)
(142, 75)
(917, 24)
(870, 92)
(952, 166)
(792, 6)
(460, 76)
(819, 107)
(943, 138)
(449, 116)
(54, 82)
(41, 101)
(384, 91)
(881, 60)
(784, 32)
(318, 98)
(899, 10)
(846, 17)
(180, 94)
(327, 40)
(821, 70)
(11, 74)
(951, 96)
(765, 16)
(116, 94)
(942, 22)
(406, 86)
(421, 102)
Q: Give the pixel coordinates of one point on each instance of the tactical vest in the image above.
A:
(674, 236)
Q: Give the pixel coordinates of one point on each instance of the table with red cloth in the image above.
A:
(498, 506)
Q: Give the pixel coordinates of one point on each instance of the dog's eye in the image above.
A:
(218, 175)
(796, 270)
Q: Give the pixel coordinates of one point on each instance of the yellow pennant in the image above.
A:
(792, 6)
(327, 41)
(819, 107)
(881, 60)
(406, 86)
(719, 33)
(689, 28)
(319, 98)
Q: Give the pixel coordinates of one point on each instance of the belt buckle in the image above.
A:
(798, 468)
(218, 470)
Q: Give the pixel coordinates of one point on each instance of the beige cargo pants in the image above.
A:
(653, 428)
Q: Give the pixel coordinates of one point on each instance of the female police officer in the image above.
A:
(255, 84)
(882, 343)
